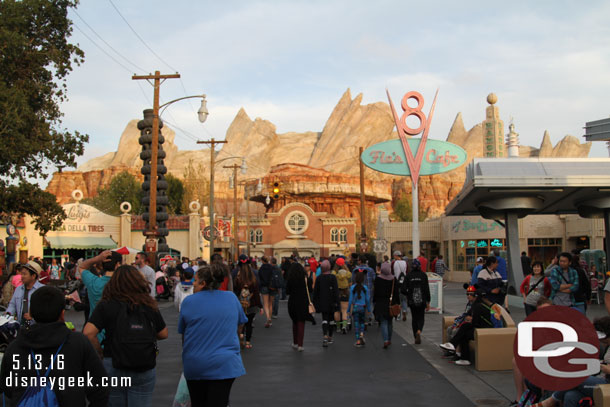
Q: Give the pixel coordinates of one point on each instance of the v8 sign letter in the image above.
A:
(556, 348)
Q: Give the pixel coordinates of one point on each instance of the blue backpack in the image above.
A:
(40, 396)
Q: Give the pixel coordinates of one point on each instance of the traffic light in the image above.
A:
(276, 190)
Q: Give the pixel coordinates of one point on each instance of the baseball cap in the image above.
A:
(480, 260)
(397, 253)
(243, 258)
(340, 262)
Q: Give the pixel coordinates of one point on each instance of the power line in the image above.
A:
(102, 49)
(140, 38)
(107, 44)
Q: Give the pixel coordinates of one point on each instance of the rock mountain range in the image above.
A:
(351, 125)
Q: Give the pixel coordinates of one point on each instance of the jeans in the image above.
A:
(138, 394)
(275, 303)
(386, 329)
(403, 303)
(571, 397)
(461, 338)
(580, 307)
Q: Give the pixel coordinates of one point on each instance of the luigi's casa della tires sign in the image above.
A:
(389, 157)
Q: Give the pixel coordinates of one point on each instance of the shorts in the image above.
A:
(265, 290)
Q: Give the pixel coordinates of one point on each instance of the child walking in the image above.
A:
(359, 304)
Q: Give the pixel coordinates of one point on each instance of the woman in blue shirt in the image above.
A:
(209, 319)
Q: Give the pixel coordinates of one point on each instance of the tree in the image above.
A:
(403, 210)
(176, 194)
(124, 187)
(36, 59)
(196, 185)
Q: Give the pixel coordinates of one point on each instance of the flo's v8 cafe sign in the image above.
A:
(413, 156)
(389, 157)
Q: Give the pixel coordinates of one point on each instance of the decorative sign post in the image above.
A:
(431, 157)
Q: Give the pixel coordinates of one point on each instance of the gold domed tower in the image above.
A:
(493, 130)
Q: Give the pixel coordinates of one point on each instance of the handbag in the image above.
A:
(312, 309)
(394, 309)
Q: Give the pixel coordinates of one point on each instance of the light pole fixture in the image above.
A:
(152, 125)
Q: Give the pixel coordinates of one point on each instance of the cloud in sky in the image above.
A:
(289, 62)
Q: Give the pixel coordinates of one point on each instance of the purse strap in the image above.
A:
(307, 289)
(392, 292)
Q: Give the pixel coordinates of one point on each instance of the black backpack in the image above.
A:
(276, 279)
(584, 286)
(134, 343)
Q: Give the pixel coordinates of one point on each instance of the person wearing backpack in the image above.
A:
(359, 305)
(564, 282)
(399, 269)
(417, 291)
(73, 357)
(344, 277)
(386, 294)
(277, 283)
(482, 315)
(326, 301)
(133, 324)
(265, 275)
(533, 287)
(246, 288)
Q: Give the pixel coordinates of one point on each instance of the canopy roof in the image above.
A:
(560, 185)
(87, 242)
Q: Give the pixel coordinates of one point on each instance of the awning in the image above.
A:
(67, 242)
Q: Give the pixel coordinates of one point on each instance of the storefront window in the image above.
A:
(465, 252)
(334, 235)
(543, 249)
(343, 235)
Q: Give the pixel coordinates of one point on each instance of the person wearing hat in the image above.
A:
(75, 358)
(475, 271)
(467, 314)
(19, 305)
(480, 317)
(400, 269)
(344, 277)
(246, 287)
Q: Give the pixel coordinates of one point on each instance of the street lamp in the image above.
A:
(152, 231)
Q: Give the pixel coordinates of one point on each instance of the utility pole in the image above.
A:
(247, 220)
(363, 241)
(212, 225)
(152, 206)
(235, 209)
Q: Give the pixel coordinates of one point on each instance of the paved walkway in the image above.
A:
(342, 374)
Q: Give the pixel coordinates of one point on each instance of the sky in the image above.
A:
(289, 62)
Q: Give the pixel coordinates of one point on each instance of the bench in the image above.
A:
(601, 395)
(492, 348)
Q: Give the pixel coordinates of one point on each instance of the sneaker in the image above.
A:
(325, 343)
(447, 346)
(462, 362)
(386, 344)
(268, 324)
(417, 339)
(301, 349)
(344, 330)
(294, 346)
(330, 340)
(359, 344)
(274, 316)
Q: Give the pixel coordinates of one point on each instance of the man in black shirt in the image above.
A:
(34, 348)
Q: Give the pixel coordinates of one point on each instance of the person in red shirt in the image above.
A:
(313, 264)
(424, 262)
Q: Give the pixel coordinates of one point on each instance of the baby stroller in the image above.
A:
(8, 331)
(163, 288)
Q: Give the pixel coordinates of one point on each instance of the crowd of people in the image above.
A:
(218, 303)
